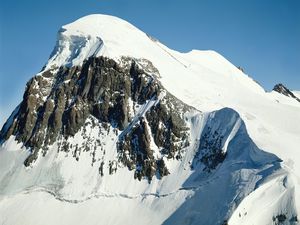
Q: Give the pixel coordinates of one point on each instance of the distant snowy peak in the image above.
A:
(280, 88)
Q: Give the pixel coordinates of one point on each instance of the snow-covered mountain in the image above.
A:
(119, 129)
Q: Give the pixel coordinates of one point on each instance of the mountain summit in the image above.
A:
(119, 129)
(98, 35)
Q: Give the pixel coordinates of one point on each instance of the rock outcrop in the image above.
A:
(280, 88)
(125, 96)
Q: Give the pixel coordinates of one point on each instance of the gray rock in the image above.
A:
(56, 106)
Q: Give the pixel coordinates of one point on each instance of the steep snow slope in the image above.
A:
(267, 199)
(203, 79)
(297, 93)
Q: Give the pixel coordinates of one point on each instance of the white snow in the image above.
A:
(271, 199)
(296, 93)
(203, 79)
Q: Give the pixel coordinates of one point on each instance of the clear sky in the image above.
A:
(262, 36)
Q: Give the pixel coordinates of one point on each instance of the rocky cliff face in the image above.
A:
(124, 97)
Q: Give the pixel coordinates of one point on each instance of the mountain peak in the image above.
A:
(118, 122)
(98, 35)
(97, 24)
(280, 88)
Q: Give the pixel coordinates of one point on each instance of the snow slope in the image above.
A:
(203, 79)
(297, 93)
(67, 188)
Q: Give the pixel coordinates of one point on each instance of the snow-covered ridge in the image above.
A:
(104, 35)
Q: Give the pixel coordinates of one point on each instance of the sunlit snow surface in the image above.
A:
(250, 187)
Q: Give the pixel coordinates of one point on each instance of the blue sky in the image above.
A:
(262, 36)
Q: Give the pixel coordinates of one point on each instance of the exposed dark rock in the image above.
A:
(136, 145)
(162, 169)
(58, 103)
(101, 169)
(112, 167)
(241, 68)
(280, 88)
(168, 130)
(279, 219)
(31, 158)
(168, 126)
(56, 106)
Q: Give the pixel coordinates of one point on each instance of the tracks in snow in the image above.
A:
(98, 195)
(107, 195)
